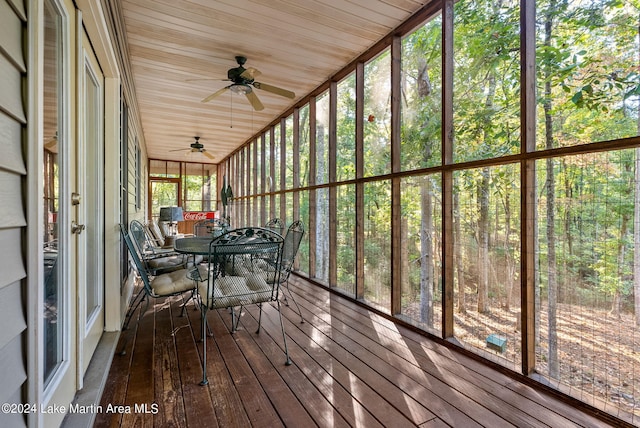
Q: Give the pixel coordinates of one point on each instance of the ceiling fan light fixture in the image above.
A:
(240, 88)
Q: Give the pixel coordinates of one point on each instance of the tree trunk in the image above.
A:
(483, 199)
(622, 248)
(636, 235)
(426, 259)
(636, 224)
(404, 254)
(552, 284)
(483, 243)
(510, 283)
(322, 237)
(457, 255)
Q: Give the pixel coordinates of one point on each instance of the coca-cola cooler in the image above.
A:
(192, 217)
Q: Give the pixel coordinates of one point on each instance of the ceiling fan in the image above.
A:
(196, 146)
(243, 82)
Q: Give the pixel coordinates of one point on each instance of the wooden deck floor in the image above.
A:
(351, 367)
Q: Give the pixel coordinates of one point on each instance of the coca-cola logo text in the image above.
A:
(198, 215)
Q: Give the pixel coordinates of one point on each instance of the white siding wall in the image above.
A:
(12, 210)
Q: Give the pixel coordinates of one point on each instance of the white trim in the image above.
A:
(64, 217)
(79, 186)
(35, 209)
(98, 33)
(90, 163)
(97, 30)
(112, 298)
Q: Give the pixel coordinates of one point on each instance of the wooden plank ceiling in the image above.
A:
(180, 52)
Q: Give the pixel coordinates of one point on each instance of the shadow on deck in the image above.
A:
(351, 367)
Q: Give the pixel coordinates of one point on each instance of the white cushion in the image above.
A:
(166, 262)
(199, 273)
(257, 284)
(197, 258)
(155, 232)
(226, 291)
(171, 283)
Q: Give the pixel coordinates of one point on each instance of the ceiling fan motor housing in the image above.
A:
(235, 74)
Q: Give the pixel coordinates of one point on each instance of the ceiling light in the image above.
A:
(240, 88)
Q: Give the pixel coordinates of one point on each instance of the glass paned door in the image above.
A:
(91, 207)
(53, 304)
(164, 193)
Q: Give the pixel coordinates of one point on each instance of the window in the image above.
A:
(187, 184)
(519, 176)
(138, 177)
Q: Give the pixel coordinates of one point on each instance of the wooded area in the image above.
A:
(586, 227)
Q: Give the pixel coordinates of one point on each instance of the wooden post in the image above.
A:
(447, 174)
(396, 206)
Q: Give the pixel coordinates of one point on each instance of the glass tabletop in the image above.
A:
(200, 246)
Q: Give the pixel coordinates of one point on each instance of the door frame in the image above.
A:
(90, 15)
(89, 330)
(173, 180)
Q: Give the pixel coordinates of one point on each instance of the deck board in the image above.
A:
(351, 367)
(477, 381)
(166, 375)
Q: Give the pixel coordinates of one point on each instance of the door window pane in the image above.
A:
(54, 248)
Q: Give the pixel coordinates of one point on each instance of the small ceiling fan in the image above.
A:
(196, 146)
(243, 82)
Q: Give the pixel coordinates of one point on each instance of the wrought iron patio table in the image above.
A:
(200, 246)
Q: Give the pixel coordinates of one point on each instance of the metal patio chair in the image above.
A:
(276, 225)
(211, 227)
(292, 241)
(230, 279)
(156, 260)
(163, 285)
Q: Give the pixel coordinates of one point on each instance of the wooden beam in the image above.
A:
(528, 183)
(447, 175)
(312, 193)
(263, 178)
(359, 187)
(333, 241)
(272, 172)
(283, 169)
(296, 164)
(255, 206)
(396, 206)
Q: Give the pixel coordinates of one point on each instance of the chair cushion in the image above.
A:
(199, 273)
(257, 284)
(166, 262)
(172, 283)
(154, 230)
(225, 292)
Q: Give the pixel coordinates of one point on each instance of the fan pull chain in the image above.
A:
(231, 110)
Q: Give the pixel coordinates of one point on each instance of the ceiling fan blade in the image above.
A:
(274, 90)
(250, 73)
(215, 94)
(207, 154)
(255, 102)
(202, 79)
